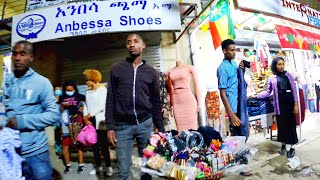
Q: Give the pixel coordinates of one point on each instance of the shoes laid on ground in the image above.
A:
(282, 151)
(68, 169)
(80, 169)
(291, 153)
(109, 172)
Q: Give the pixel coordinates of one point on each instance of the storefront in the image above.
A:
(70, 38)
(259, 40)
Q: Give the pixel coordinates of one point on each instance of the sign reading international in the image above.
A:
(287, 9)
(95, 17)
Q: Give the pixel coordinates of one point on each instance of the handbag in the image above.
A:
(88, 136)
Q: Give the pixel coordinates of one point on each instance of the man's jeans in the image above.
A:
(125, 134)
(37, 167)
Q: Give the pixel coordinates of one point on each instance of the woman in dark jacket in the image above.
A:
(285, 105)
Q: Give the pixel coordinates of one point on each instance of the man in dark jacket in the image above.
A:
(133, 105)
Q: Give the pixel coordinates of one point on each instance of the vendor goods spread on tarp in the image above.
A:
(193, 154)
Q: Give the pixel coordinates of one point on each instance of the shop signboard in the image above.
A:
(35, 4)
(85, 18)
(298, 39)
(286, 9)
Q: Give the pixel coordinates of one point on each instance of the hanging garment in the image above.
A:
(213, 105)
(242, 104)
(302, 108)
(164, 98)
(10, 161)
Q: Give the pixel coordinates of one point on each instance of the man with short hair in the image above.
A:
(228, 85)
(30, 108)
(133, 105)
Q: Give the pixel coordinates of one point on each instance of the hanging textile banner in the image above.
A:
(298, 39)
(220, 22)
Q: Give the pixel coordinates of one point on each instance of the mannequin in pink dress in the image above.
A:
(184, 104)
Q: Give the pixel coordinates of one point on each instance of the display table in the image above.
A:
(266, 121)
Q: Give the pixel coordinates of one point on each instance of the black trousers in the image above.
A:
(102, 146)
(57, 136)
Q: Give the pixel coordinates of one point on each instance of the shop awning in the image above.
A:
(245, 39)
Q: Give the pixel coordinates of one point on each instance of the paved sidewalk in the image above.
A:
(59, 167)
(266, 165)
(269, 165)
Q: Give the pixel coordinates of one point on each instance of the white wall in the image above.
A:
(206, 60)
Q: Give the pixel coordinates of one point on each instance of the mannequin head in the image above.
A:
(179, 63)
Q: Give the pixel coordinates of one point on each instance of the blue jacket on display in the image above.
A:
(242, 104)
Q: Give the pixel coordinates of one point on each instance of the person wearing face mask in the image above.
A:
(71, 100)
(57, 92)
(285, 105)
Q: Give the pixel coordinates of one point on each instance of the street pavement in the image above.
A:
(269, 165)
(266, 164)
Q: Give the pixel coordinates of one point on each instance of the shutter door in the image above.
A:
(74, 65)
(152, 56)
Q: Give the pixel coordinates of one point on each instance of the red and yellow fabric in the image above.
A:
(221, 25)
(213, 105)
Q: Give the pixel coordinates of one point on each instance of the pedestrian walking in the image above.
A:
(96, 106)
(133, 104)
(30, 107)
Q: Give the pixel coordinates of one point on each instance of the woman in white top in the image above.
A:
(96, 104)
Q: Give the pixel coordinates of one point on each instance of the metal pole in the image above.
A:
(300, 130)
(25, 7)
(193, 20)
(4, 7)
